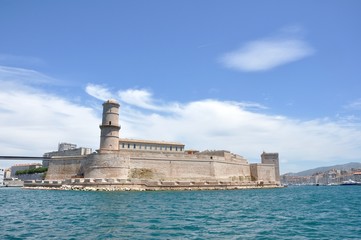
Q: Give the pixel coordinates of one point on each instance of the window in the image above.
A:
(110, 122)
(176, 148)
(122, 145)
(128, 145)
(170, 148)
(134, 146)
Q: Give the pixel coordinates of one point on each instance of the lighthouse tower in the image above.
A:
(109, 129)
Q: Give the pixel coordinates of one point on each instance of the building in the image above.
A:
(153, 165)
(66, 149)
(22, 167)
(273, 159)
(357, 176)
(2, 174)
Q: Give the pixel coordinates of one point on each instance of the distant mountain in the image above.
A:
(309, 172)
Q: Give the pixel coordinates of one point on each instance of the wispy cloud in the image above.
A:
(10, 59)
(138, 97)
(23, 75)
(265, 54)
(355, 105)
(98, 91)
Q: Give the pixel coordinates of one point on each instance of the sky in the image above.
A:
(244, 76)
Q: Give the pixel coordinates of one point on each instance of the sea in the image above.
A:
(302, 212)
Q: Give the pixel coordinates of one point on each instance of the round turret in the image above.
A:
(109, 134)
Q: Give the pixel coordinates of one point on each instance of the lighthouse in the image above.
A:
(109, 129)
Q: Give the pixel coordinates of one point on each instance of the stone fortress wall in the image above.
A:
(122, 161)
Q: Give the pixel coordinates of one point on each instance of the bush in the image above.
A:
(32, 171)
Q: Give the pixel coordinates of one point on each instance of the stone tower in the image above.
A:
(109, 133)
(272, 158)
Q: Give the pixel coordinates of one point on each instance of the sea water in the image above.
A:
(324, 212)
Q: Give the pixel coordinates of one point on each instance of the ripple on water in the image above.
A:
(292, 213)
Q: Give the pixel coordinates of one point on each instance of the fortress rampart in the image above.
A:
(153, 165)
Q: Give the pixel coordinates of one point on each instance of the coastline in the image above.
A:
(110, 184)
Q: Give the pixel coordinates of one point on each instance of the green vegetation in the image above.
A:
(32, 171)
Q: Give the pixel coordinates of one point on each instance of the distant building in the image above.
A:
(66, 149)
(357, 176)
(7, 173)
(21, 167)
(2, 174)
(66, 146)
(272, 158)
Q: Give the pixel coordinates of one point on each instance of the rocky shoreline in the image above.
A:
(143, 185)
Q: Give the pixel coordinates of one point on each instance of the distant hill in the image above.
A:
(309, 172)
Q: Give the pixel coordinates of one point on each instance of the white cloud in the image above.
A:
(22, 75)
(266, 54)
(10, 59)
(138, 97)
(98, 91)
(212, 124)
(355, 105)
(142, 98)
(33, 121)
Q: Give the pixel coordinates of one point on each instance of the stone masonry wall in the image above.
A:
(187, 167)
(106, 165)
(166, 169)
(234, 171)
(158, 166)
(64, 167)
(263, 172)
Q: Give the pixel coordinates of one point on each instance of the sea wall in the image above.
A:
(64, 167)
(164, 166)
(263, 172)
(171, 169)
(235, 171)
(106, 165)
(159, 167)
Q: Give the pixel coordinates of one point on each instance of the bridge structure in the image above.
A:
(22, 158)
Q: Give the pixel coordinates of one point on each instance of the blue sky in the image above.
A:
(246, 76)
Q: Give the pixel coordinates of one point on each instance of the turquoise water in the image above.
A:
(325, 212)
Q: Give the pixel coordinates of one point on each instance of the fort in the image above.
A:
(132, 164)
